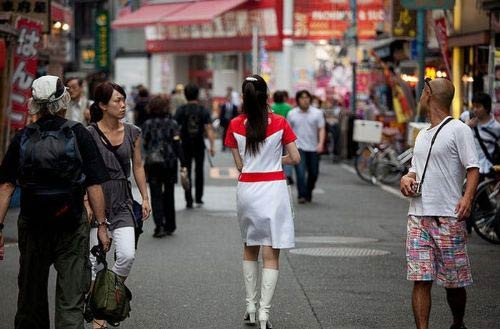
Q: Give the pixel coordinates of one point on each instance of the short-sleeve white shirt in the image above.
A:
(305, 124)
(454, 152)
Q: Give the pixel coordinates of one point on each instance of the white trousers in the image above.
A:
(124, 242)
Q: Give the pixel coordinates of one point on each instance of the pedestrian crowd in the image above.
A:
(73, 164)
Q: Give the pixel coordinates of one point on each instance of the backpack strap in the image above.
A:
(30, 131)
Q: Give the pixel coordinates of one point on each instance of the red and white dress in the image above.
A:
(264, 206)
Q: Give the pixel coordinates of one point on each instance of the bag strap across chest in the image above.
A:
(430, 148)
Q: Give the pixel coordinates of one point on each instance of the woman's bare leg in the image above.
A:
(251, 253)
(270, 257)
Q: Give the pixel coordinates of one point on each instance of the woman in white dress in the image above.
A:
(265, 213)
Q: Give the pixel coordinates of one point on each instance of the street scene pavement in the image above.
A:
(348, 269)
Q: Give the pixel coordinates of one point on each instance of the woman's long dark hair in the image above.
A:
(102, 94)
(256, 108)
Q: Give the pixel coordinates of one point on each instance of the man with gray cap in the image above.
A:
(54, 161)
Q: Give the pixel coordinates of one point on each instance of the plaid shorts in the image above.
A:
(436, 250)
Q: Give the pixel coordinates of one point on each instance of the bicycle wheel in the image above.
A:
(486, 212)
(386, 171)
(363, 163)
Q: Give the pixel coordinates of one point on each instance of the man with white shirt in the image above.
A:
(486, 131)
(79, 106)
(308, 123)
(436, 249)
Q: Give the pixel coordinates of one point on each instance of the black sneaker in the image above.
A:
(189, 205)
(458, 326)
(159, 233)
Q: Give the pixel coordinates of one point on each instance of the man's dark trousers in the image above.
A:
(196, 153)
(43, 243)
(307, 173)
(162, 200)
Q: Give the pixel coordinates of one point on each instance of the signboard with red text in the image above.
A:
(442, 37)
(25, 67)
(319, 19)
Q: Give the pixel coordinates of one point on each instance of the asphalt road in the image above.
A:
(193, 279)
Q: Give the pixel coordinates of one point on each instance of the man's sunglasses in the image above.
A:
(427, 80)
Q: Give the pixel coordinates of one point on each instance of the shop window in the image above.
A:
(226, 62)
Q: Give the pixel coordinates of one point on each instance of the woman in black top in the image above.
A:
(162, 151)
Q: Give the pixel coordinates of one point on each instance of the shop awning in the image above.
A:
(469, 39)
(61, 13)
(200, 12)
(147, 15)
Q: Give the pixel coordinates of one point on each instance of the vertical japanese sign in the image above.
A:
(25, 67)
(102, 56)
(440, 28)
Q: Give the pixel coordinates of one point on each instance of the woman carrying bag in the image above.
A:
(163, 151)
(119, 143)
(257, 138)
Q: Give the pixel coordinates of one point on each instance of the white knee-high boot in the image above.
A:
(268, 284)
(250, 274)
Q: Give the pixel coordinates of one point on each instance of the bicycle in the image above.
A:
(382, 163)
(485, 213)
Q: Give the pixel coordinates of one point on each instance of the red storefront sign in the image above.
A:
(25, 67)
(440, 28)
(320, 19)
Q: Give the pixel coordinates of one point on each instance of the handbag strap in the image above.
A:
(430, 148)
(483, 147)
(111, 148)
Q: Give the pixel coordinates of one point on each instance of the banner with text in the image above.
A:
(442, 38)
(102, 35)
(319, 19)
(25, 67)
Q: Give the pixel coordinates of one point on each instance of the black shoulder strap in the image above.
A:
(69, 124)
(110, 147)
(483, 147)
(430, 148)
(491, 133)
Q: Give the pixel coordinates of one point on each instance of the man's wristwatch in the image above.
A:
(1, 227)
(102, 223)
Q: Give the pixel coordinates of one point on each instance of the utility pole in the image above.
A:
(354, 36)
(255, 50)
(420, 51)
(287, 63)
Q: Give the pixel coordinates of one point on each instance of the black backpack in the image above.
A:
(50, 173)
(158, 137)
(192, 128)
